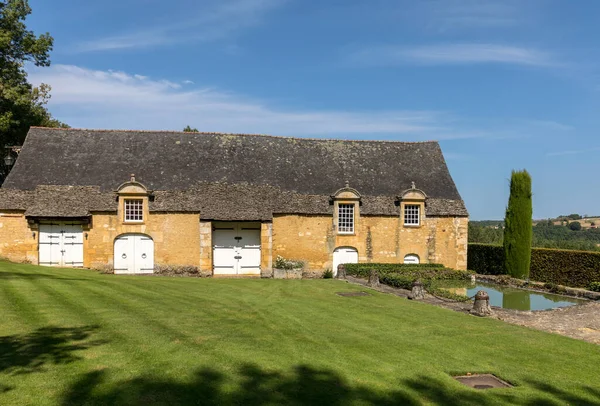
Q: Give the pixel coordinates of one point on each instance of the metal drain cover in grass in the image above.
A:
(350, 294)
(483, 381)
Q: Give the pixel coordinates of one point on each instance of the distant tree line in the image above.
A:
(545, 235)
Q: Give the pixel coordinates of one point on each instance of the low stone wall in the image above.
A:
(538, 286)
(287, 273)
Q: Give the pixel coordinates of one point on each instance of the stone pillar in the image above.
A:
(206, 249)
(373, 279)
(266, 250)
(481, 306)
(341, 271)
(417, 293)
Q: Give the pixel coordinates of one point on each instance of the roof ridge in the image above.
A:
(235, 134)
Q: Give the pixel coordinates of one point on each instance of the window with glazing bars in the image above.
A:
(346, 218)
(411, 214)
(134, 210)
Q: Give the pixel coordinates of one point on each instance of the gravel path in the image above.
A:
(581, 322)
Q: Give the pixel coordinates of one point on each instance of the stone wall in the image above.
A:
(376, 238)
(176, 238)
(182, 239)
(206, 248)
(266, 248)
(18, 242)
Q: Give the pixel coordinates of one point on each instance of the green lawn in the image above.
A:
(73, 337)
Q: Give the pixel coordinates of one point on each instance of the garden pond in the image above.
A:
(512, 298)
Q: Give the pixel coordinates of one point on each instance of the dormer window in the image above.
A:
(134, 210)
(412, 214)
(412, 206)
(133, 202)
(347, 210)
(346, 218)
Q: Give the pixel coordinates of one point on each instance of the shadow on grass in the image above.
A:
(304, 385)
(26, 353)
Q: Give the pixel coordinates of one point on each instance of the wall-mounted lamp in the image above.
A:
(33, 235)
(86, 235)
(9, 159)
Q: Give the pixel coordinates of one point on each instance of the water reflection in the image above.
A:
(518, 299)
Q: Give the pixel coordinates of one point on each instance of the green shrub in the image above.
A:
(595, 286)
(518, 231)
(561, 267)
(328, 274)
(282, 263)
(405, 279)
(363, 269)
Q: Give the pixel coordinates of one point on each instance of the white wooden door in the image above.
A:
(61, 244)
(225, 250)
(144, 254)
(236, 249)
(249, 249)
(134, 254)
(344, 255)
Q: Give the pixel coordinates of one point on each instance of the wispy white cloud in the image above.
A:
(113, 99)
(551, 125)
(213, 21)
(573, 152)
(445, 15)
(451, 54)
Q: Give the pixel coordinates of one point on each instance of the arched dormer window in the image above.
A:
(133, 201)
(412, 206)
(346, 209)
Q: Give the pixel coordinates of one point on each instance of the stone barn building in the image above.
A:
(228, 204)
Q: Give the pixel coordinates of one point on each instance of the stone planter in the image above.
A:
(287, 273)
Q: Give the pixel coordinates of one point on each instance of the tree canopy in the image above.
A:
(189, 129)
(21, 104)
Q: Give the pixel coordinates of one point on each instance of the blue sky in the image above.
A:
(501, 84)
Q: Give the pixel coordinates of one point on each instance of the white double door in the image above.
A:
(236, 248)
(61, 244)
(344, 255)
(134, 254)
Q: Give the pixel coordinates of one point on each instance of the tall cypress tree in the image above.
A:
(518, 230)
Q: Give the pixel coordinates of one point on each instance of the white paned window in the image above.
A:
(411, 215)
(134, 210)
(346, 218)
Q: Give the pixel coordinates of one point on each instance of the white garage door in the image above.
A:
(61, 244)
(344, 255)
(236, 248)
(134, 254)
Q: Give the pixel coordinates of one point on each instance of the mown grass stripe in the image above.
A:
(21, 297)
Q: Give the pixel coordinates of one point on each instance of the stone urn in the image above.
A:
(481, 306)
(373, 279)
(341, 271)
(417, 292)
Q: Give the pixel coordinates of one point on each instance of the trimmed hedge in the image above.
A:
(576, 269)
(406, 278)
(363, 269)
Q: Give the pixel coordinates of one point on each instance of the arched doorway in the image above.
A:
(134, 254)
(411, 259)
(344, 255)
